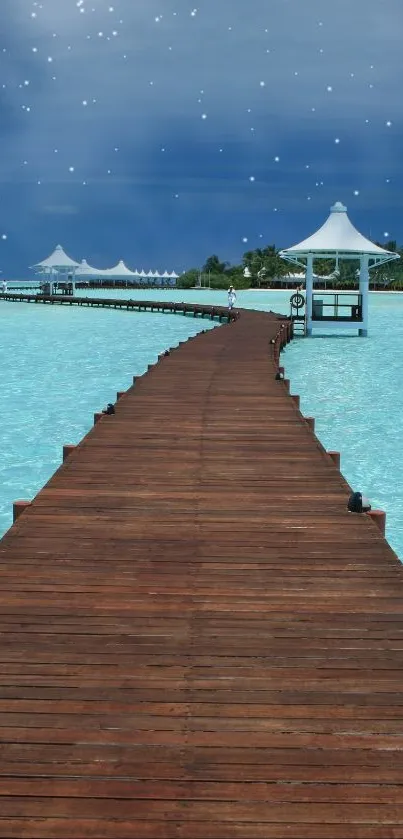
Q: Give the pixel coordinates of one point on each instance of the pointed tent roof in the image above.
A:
(120, 270)
(85, 269)
(172, 274)
(58, 259)
(338, 237)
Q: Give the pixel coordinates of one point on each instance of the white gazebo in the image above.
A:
(337, 239)
(58, 266)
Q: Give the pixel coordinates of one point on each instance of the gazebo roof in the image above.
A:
(85, 269)
(120, 270)
(58, 259)
(338, 237)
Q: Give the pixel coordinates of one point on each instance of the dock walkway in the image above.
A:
(220, 313)
(198, 641)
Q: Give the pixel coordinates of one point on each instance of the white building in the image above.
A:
(60, 267)
(337, 239)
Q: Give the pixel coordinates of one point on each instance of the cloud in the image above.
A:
(280, 79)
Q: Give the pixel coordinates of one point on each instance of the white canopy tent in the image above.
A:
(338, 239)
(119, 272)
(87, 272)
(58, 266)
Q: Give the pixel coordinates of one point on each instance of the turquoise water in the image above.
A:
(354, 389)
(59, 365)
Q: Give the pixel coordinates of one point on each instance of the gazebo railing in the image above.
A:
(337, 307)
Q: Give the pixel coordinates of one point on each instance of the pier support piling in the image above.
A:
(18, 509)
(311, 422)
(336, 458)
(67, 450)
(379, 517)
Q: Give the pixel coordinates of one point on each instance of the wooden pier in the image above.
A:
(220, 313)
(198, 641)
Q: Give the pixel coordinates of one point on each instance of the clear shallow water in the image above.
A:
(61, 364)
(354, 389)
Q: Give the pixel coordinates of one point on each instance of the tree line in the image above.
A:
(266, 269)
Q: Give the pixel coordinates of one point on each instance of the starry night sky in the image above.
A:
(160, 132)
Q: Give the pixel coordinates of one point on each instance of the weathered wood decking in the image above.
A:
(197, 639)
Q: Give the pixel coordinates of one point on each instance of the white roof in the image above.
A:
(338, 236)
(86, 270)
(58, 259)
(119, 270)
(173, 274)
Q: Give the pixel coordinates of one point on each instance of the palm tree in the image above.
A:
(214, 266)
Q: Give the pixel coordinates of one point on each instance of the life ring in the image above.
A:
(297, 301)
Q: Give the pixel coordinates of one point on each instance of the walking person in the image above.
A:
(231, 297)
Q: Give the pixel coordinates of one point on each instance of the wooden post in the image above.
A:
(283, 338)
(287, 385)
(379, 517)
(119, 394)
(18, 508)
(311, 422)
(336, 458)
(296, 400)
(67, 450)
(97, 417)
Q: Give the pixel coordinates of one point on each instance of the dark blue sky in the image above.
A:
(160, 132)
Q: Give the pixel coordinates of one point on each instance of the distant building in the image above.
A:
(58, 267)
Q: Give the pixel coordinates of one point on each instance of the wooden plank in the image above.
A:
(197, 639)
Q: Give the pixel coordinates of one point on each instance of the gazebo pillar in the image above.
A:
(309, 292)
(364, 291)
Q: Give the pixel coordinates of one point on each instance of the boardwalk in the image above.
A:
(197, 639)
(220, 313)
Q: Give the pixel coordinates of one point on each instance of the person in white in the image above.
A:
(3, 286)
(231, 297)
